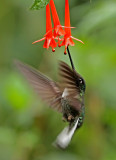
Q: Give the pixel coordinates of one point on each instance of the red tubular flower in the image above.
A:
(58, 31)
(67, 40)
(48, 37)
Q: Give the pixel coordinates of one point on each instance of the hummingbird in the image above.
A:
(67, 97)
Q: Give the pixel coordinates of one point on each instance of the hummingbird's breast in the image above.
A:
(68, 112)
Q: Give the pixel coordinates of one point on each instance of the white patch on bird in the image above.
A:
(65, 93)
(65, 136)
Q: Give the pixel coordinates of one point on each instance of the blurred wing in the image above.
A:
(46, 88)
(70, 84)
(69, 78)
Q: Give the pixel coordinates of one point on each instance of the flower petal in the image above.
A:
(54, 13)
(47, 43)
(39, 40)
(53, 43)
(48, 19)
(58, 31)
(67, 18)
(77, 39)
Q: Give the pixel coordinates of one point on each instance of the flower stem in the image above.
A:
(71, 61)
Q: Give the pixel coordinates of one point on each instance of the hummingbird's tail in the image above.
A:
(63, 139)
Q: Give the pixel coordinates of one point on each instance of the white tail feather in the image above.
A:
(64, 138)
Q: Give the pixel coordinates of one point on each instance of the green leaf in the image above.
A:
(38, 4)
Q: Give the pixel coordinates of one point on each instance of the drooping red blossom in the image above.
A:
(58, 31)
(48, 37)
(67, 40)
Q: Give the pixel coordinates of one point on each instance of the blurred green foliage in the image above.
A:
(27, 126)
(38, 4)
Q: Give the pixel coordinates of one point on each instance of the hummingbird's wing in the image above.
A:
(70, 84)
(47, 89)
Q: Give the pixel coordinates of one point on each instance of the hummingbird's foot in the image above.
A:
(70, 117)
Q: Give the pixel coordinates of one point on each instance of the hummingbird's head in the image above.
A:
(82, 85)
(80, 82)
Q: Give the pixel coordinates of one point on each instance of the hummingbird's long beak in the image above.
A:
(64, 138)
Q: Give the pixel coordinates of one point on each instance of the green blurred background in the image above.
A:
(27, 126)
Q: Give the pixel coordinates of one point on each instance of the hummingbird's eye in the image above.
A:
(82, 83)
